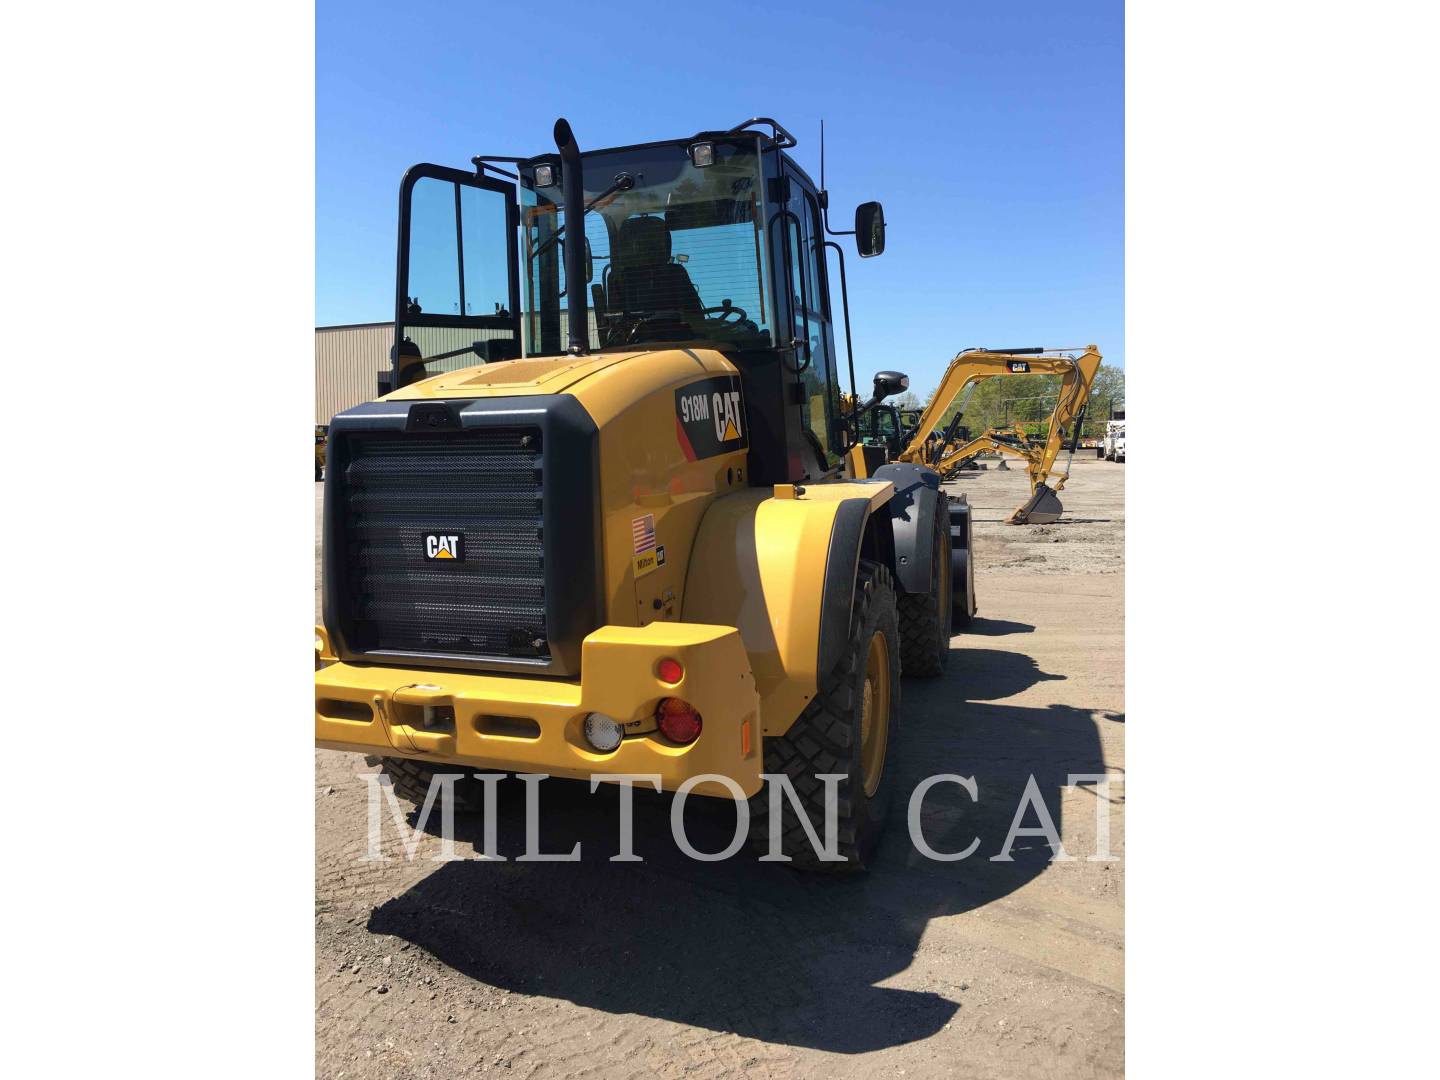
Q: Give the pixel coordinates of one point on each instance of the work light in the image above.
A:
(702, 154)
(545, 176)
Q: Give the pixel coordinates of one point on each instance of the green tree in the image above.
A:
(1107, 393)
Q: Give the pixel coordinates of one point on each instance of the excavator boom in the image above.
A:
(1077, 377)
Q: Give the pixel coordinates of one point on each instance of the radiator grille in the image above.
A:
(483, 484)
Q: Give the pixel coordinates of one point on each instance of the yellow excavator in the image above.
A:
(947, 449)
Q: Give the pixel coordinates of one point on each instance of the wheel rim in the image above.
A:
(875, 712)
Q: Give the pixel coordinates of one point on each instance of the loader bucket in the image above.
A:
(1042, 508)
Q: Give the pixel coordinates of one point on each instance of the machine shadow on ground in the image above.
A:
(983, 627)
(755, 948)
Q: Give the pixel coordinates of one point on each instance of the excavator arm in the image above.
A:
(968, 369)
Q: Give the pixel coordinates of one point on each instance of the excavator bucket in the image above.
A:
(1042, 508)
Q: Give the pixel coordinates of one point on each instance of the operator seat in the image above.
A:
(644, 278)
(412, 366)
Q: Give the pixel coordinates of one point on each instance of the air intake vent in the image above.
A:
(444, 545)
(463, 534)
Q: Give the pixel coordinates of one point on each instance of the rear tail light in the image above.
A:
(678, 721)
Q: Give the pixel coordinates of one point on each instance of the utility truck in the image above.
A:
(1115, 441)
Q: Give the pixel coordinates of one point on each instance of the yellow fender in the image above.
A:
(772, 565)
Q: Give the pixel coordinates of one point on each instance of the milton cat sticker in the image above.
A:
(710, 417)
(642, 532)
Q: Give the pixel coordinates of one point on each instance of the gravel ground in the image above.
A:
(670, 967)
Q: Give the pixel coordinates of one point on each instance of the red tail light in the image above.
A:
(678, 720)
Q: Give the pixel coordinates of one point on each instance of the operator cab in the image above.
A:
(716, 241)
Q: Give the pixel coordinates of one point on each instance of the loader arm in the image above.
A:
(1077, 378)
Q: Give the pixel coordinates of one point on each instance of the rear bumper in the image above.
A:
(516, 723)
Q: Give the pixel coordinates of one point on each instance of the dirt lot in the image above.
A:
(671, 967)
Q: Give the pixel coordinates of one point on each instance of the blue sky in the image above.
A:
(993, 134)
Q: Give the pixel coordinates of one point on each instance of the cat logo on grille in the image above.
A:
(445, 546)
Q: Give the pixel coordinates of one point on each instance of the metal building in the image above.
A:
(347, 360)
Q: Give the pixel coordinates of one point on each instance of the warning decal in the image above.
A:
(710, 417)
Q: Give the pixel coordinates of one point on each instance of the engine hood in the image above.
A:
(511, 378)
(606, 383)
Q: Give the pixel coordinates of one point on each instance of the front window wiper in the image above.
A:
(623, 182)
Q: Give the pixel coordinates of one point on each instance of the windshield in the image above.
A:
(674, 251)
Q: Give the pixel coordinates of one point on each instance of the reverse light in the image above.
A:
(678, 721)
(603, 732)
(670, 670)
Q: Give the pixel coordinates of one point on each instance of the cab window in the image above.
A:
(810, 308)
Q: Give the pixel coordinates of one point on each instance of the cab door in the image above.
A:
(457, 287)
(809, 303)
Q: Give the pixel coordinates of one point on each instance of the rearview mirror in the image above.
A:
(890, 383)
(870, 229)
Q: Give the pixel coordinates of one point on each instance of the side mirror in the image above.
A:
(890, 383)
(870, 229)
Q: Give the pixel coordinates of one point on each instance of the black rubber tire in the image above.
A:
(826, 739)
(411, 781)
(925, 617)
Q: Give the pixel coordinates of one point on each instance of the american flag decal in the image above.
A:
(642, 531)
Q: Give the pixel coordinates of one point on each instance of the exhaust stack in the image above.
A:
(572, 193)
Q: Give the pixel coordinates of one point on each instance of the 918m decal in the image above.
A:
(710, 417)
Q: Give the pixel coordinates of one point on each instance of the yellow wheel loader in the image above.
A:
(608, 523)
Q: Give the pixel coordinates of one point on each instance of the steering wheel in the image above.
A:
(642, 319)
(724, 311)
(635, 321)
